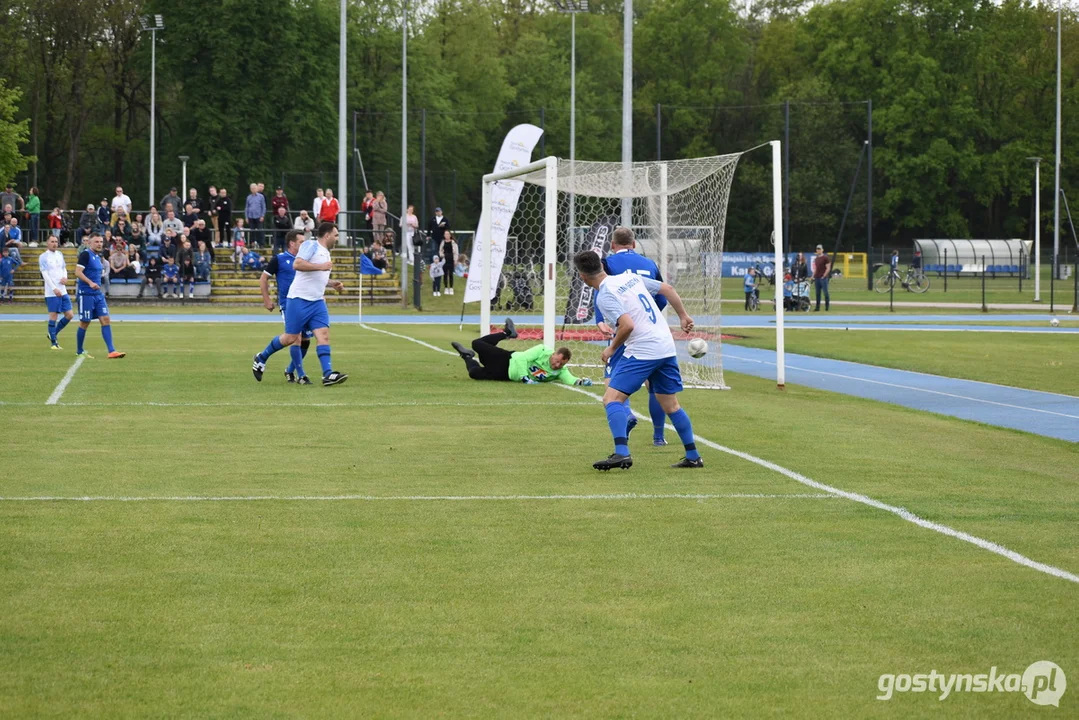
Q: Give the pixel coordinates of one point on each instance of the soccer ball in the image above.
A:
(1054, 323)
(697, 348)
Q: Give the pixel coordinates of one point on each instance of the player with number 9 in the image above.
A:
(650, 354)
(624, 258)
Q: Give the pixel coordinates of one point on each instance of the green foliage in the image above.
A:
(12, 134)
(962, 93)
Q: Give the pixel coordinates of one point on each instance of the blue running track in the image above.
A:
(1041, 413)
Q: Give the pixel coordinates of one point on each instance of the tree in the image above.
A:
(13, 134)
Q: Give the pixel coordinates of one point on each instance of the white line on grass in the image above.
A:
(902, 513)
(410, 339)
(865, 500)
(59, 391)
(423, 498)
(918, 389)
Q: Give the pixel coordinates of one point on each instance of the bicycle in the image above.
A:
(755, 300)
(914, 281)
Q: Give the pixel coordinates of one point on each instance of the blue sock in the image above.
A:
(61, 325)
(80, 337)
(685, 433)
(297, 365)
(297, 360)
(106, 332)
(658, 416)
(631, 420)
(52, 331)
(616, 419)
(273, 347)
(324, 358)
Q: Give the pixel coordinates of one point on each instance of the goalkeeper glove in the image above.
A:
(583, 381)
(528, 381)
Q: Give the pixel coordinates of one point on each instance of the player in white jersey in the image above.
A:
(307, 306)
(650, 354)
(53, 269)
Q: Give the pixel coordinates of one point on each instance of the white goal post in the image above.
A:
(539, 215)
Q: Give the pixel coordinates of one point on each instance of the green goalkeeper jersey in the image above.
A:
(536, 364)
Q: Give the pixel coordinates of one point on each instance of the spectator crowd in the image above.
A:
(178, 241)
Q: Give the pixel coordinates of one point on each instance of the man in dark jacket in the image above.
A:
(152, 276)
(438, 226)
(281, 224)
(223, 206)
(86, 224)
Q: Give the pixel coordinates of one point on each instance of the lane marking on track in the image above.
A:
(899, 512)
(59, 391)
(913, 388)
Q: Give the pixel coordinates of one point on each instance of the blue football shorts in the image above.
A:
(92, 306)
(58, 304)
(307, 333)
(303, 315)
(663, 375)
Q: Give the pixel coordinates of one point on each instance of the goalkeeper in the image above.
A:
(536, 365)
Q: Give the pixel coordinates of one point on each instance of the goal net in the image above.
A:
(677, 210)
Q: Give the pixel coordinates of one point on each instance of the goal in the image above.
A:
(541, 214)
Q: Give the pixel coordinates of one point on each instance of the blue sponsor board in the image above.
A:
(738, 264)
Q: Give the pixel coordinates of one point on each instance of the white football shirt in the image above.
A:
(53, 267)
(631, 295)
(121, 203)
(311, 284)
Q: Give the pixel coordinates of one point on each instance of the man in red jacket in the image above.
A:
(330, 208)
(278, 200)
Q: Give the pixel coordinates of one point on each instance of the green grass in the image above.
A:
(722, 607)
(1048, 362)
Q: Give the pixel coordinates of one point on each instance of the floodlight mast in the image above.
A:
(571, 8)
(152, 24)
(1037, 228)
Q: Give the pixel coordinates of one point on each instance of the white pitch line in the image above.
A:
(410, 339)
(419, 498)
(902, 513)
(59, 391)
(865, 500)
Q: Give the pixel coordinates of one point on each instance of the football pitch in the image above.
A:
(179, 540)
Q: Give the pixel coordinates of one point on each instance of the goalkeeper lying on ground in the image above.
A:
(535, 365)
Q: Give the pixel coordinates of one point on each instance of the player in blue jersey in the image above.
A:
(92, 302)
(282, 266)
(306, 309)
(650, 354)
(624, 259)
